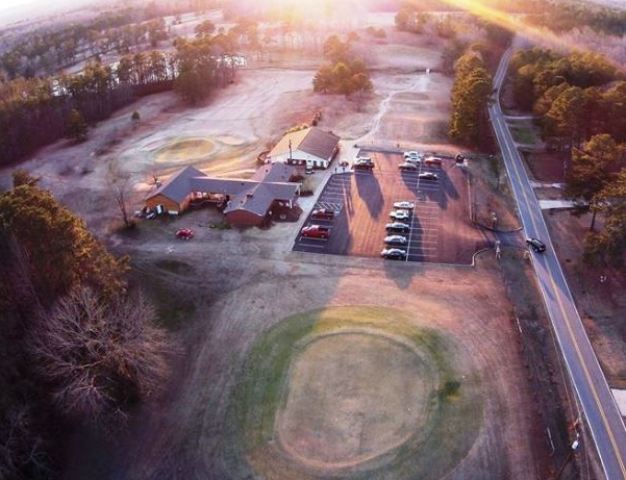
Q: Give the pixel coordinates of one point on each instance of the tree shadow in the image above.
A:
(370, 192)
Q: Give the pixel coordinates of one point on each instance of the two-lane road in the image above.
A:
(599, 407)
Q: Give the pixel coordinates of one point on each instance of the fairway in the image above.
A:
(352, 392)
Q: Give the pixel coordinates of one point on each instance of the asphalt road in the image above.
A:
(598, 405)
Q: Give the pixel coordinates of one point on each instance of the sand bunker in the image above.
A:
(335, 416)
(184, 151)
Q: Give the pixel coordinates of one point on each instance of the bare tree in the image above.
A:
(121, 182)
(99, 358)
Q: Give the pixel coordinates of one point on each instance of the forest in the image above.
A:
(37, 111)
(78, 345)
(580, 102)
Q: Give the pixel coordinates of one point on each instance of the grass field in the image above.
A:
(352, 392)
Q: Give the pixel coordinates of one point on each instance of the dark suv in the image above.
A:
(537, 245)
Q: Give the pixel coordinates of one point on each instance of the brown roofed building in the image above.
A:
(248, 202)
(312, 147)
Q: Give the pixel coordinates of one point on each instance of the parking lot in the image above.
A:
(440, 230)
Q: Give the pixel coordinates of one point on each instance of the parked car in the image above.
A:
(433, 161)
(404, 205)
(413, 160)
(400, 215)
(393, 254)
(309, 171)
(459, 158)
(315, 231)
(323, 214)
(407, 166)
(413, 154)
(428, 176)
(184, 233)
(397, 227)
(365, 163)
(537, 245)
(151, 215)
(395, 240)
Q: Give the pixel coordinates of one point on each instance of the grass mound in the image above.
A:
(352, 392)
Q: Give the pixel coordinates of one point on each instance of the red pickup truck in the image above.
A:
(315, 231)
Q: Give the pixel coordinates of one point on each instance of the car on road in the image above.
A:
(395, 240)
(404, 205)
(315, 231)
(363, 163)
(431, 161)
(400, 215)
(393, 254)
(397, 227)
(323, 214)
(407, 166)
(184, 233)
(428, 176)
(537, 245)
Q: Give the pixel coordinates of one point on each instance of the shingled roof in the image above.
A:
(269, 183)
(177, 187)
(312, 140)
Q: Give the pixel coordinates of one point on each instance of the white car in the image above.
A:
(404, 205)
(393, 254)
(407, 166)
(399, 215)
(428, 176)
(395, 240)
(413, 160)
(413, 154)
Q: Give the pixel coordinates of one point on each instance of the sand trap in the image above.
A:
(184, 151)
(335, 416)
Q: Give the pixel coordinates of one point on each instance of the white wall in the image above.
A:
(311, 160)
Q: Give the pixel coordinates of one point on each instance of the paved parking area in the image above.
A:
(440, 230)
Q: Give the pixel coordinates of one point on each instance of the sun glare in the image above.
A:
(516, 24)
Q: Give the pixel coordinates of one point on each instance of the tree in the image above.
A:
(76, 126)
(609, 245)
(60, 249)
(120, 183)
(23, 177)
(135, 117)
(99, 356)
(564, 118)
(204, 29)
(470, 93)
(590, 170)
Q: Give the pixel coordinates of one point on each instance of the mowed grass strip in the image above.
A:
(453, 406)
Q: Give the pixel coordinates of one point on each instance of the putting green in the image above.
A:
(352, 392)
(184, 150)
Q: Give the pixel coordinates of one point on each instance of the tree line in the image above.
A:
(48, 50)
(37, 111)
(470, 94)
(575, 96)
(77, 345)
(580, 101)
(344, 74)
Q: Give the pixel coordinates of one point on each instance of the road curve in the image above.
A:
(598, 405)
